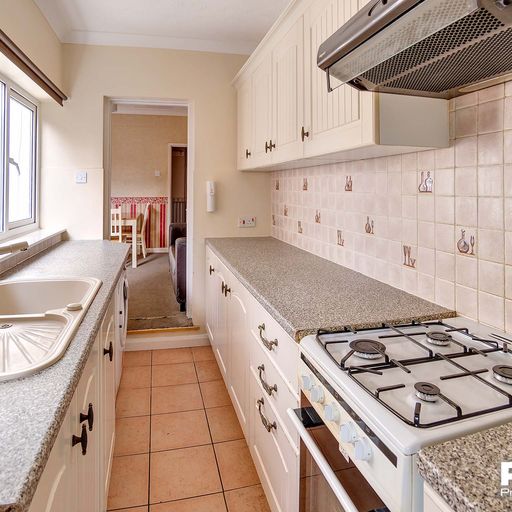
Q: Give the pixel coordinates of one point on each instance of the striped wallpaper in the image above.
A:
(156, 227)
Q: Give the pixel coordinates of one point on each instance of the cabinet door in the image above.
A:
(239, 342)
(212, 295)
(244, 124)
(108, 396)
(221, 345)
(288, 94)
(332, 118)
(262, 112)
(56, 489)
(88, 421)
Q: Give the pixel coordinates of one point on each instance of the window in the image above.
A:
(18, 155)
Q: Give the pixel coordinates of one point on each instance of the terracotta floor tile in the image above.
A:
(133, 402)
(137, 358)
(132, 435)
(174, 374)
(247, 499)
(203, 353)
(215, 394)
(184, 473)
(172, 356)
(235, 464)
(207, 371)
(211, 503)
(224, 424)
(129, 481)
(186, 397)
(136, 509)
(136, 377)
(179, 430)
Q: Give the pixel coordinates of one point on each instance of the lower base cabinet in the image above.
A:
(77, 473)
(258, 362)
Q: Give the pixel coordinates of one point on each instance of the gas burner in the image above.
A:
(426, 391)
(367, 348)
(503, 373)
(438, 338)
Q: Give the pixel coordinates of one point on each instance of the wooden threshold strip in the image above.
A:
(16, 55)
(165, 329)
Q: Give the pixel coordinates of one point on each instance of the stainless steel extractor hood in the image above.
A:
(435, 48)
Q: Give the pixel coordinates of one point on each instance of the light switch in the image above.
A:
(246, 222)
(81, 177)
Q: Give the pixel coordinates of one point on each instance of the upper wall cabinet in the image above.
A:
(287, 118)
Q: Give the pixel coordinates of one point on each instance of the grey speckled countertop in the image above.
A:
(32, 409)
(466, 472)
(304, 292)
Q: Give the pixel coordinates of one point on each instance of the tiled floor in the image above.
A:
(179, 446)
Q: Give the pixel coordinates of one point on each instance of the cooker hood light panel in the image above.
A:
(435, 48)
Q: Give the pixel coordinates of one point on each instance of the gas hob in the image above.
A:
(427, 374)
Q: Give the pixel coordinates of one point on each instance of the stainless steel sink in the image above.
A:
(38, 318)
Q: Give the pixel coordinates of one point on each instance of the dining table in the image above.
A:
(131, 222)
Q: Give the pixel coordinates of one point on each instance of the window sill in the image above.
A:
(38, 241)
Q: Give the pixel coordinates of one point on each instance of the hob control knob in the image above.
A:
(332, 413)
(317, 394)
(348, 432)
(307, 382)
(362, 449)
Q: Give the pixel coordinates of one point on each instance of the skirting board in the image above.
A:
(157, 250)
(165, 340)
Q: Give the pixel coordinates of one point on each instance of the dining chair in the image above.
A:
(141, 232)
(116, 232)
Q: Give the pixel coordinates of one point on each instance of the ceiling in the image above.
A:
(224, 26)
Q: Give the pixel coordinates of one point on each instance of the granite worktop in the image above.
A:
(466, 472)
(33, 408)
(304, 292)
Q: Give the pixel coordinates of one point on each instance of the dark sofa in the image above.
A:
(178, 261)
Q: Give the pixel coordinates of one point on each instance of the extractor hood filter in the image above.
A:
(435, 48)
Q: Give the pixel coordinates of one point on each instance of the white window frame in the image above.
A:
(12, 229)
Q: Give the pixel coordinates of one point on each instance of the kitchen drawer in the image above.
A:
(283, 351)
(276, 460)
(270, 379)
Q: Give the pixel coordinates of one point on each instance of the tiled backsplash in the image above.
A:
(437, 224)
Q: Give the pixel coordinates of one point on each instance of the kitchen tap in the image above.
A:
(7, 249)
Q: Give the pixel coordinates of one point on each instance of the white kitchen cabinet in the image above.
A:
(108, 394)
(432, 502)
(296, 122)
(244, 348)
(239, 342)
(288, 94)
(244, 123)
(261, 108)
(77, 472)
(87, 420)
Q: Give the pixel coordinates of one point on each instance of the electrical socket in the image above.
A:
(246, 222)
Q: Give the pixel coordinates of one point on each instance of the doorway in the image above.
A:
(147, 157)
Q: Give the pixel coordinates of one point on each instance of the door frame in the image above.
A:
(109, 102)
(170, 146)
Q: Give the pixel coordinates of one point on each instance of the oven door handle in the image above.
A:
(323, 465)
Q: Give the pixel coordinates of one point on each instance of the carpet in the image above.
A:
(152, 303)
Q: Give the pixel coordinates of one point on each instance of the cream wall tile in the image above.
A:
(426, 287)
(445, 266)
(466, 271)
(508, 147)
(466, 183)
(427, 160)
(490, 149)
(466, 100)
(445, 293)
(490, 116)
(466, 211)
(507, 179)
(426, 207)
(508, 247)
(466, 152)
(508, 114)
(508, 213)
(466, 121)
(490, 213)
(445, 158)
(409, 207)
(427, 234)
(445, 182)
(445, 209)
(491, 277)
(508, 315)
(508, 282)
(409, 162)
(466, 302)
(491, 93)
(491, 310)
(491, 245)
(445, 237)
(426, 261)
(490, 180)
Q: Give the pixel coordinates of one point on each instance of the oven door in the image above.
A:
(328, 482)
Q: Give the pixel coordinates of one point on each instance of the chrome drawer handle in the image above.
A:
(268, 426)
(266, 387)
(269, 344)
